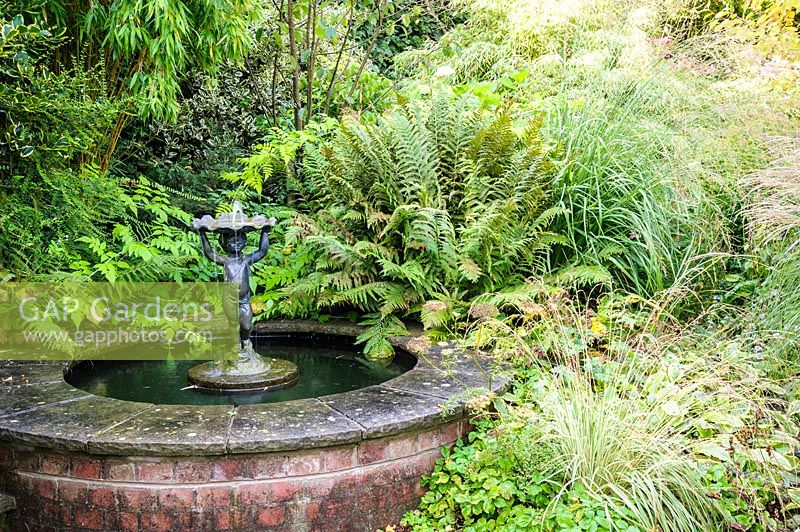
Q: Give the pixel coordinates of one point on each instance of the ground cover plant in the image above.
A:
(619, 422)
(603, 195)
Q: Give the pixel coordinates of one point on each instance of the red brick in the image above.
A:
(127, 522)
(88, 518)
(7, 458)
(405, 491)
(214, 497)
(55, 465)
(222, 519)
(44, 488)
(271, 516)
(389, 473)
(52, 510)
(346, 483)
(426, 440)
(427, 461)
(253, 494)
(31, 511)
(176, 498)
(86, 468)
(449, 433)
(138, 499)
(371, 499)
(229, 469)
(156, 522)
(436, 438)
(312, 511)
(115, 470)
(154, 471)
(103, 497)
(240, 519)
(72, 492)
(65, 512)
(338, 459)
(193, 471)
(27, 461)
(402, 447)
(338, 507)
(320, 488)
(53, 513)
(268, 466)
(372, 452)
(284, 490)
(416, 466)
(185, 521)
(304, 464)
(7, 478)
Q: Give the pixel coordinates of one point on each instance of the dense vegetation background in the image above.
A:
(605, 195)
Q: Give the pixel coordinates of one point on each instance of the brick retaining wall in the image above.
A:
(358, 487)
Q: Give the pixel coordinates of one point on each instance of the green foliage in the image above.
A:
(411, 24)
(618, 422)
(625, 214)
(428, 207)
(150, 242)
(219, 120)
(481, 486)
(47, 117)
(152, 45)
(61, 111)
(148, 47)
(51, 125)
(275, 157)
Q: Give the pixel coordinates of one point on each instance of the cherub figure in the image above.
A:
(236, 269)
(251, 371)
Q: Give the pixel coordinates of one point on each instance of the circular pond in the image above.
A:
(345, 453)
(327, 364)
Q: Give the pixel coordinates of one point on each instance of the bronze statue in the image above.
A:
(251, 370)
(236, 269)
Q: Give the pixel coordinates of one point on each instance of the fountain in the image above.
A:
(302, 433)
(250, 370)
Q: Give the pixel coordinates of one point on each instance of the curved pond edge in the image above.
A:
(351, 461)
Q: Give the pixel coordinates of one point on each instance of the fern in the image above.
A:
(376, 337)
(430, 200)
(582, 275)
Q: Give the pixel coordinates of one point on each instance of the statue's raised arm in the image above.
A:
(263, 244)
(208, 250)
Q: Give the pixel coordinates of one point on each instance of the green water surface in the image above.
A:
(327, 365)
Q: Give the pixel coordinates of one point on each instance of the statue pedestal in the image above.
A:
(250, 373)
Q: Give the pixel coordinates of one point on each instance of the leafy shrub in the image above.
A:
(52, 126)
(480, 486)
(149, 241)
(424, 211)
(413, 23)
(219, 121)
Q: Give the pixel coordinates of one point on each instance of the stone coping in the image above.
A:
(38, 407)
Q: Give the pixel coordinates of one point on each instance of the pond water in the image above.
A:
(327, 365)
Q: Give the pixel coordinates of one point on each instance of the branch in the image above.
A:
(298, 120)
(335, 73)
(368, 51)
(312, 43)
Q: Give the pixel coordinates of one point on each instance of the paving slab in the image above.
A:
(302, 424)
